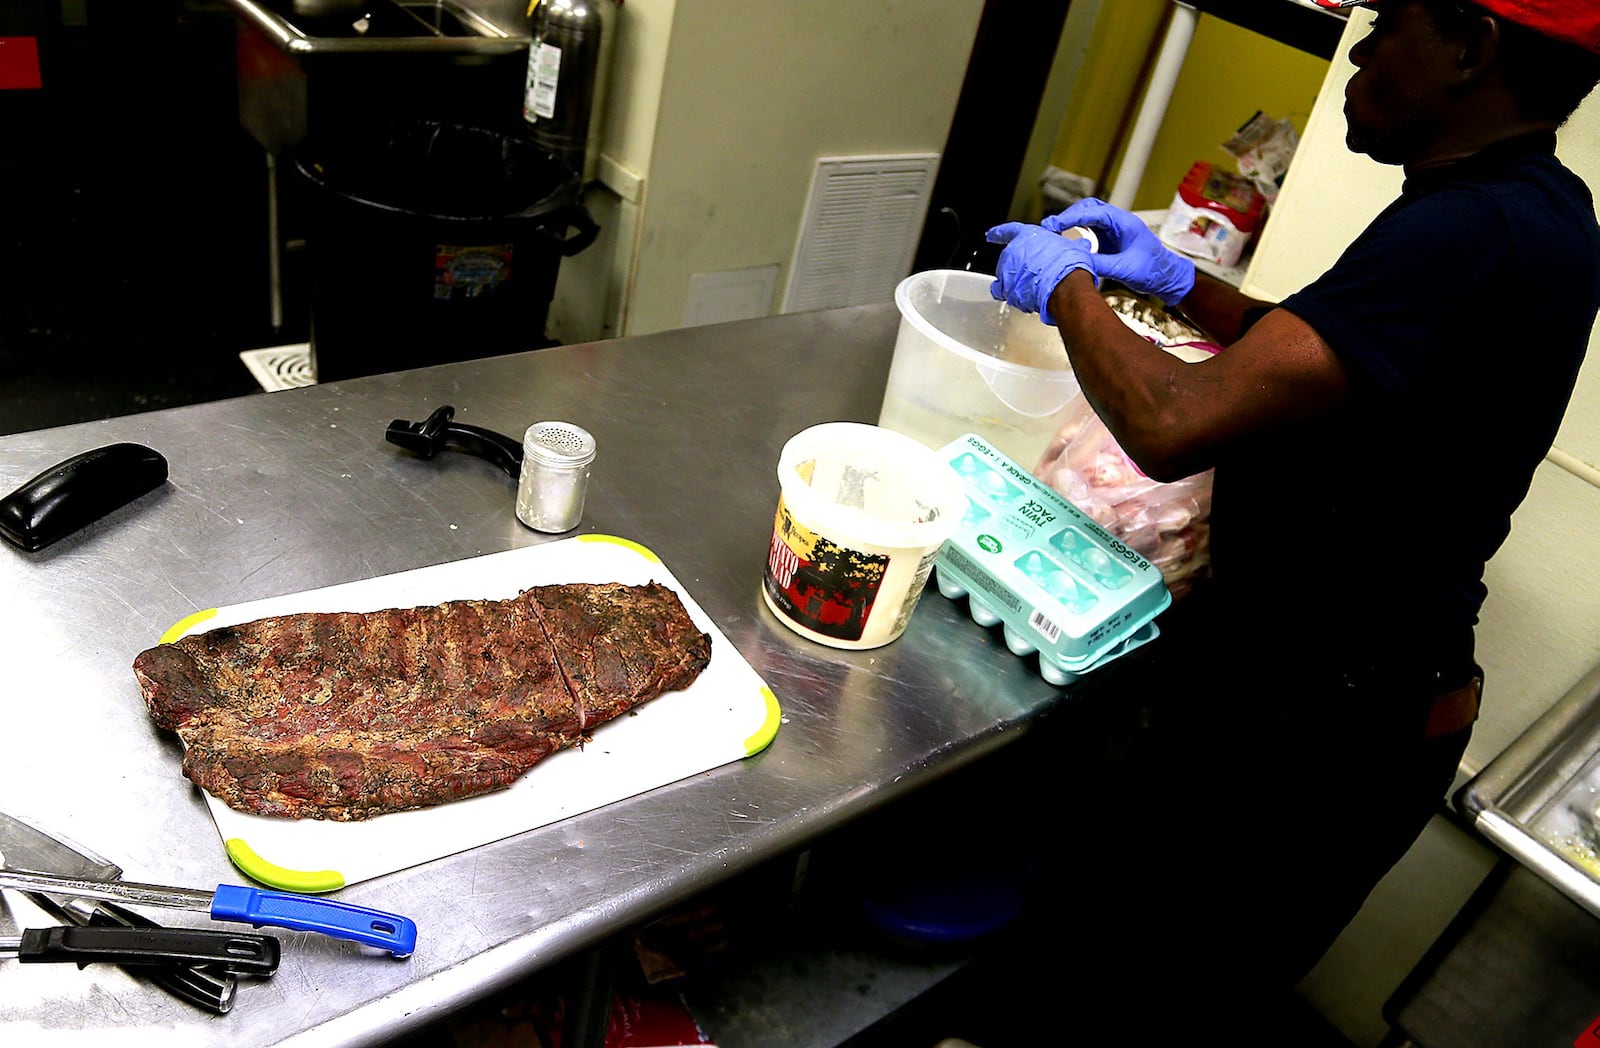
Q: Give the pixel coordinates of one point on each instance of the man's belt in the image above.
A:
(1454, 710)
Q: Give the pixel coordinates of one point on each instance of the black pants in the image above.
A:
(1217, 817)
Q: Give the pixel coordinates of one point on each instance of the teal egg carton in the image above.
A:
(1023, 556)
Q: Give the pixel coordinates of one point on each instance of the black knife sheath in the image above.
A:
(77, 492)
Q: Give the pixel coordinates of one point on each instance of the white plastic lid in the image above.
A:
(861, 484)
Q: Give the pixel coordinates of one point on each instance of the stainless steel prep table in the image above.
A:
(281, 492)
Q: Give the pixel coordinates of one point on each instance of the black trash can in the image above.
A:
(429, 243)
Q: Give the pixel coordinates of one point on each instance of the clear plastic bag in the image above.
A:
(1263, 148)
(1169, 524)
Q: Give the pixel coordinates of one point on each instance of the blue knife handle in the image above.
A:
(386, 931)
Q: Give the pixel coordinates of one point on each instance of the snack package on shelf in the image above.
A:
(1214, 215)
(1169, 524)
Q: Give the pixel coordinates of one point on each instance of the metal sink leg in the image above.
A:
(274, 258)
(590, 996)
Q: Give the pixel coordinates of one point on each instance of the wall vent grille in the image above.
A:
(860, 230)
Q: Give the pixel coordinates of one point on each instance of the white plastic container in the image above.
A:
(966, 363)
(862, 512)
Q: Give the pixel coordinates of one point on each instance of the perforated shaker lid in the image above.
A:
(558, 444)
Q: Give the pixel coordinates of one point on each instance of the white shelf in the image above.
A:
(1231, 274)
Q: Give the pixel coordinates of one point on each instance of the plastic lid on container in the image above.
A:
(900, 493)
(558, 444)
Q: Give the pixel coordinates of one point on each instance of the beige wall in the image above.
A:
(717, 113)
(1540, 625)
(1228, 73)
(718, 109)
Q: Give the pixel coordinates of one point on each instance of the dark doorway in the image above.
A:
(132, 267)
(1011, 59)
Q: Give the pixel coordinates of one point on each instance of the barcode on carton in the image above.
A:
(1047, 629)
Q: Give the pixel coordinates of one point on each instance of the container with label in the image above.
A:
(569, 59)
(1214, 215)
(1025, 557)
(861, 513)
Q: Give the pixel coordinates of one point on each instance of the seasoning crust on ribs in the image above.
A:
(349, 715)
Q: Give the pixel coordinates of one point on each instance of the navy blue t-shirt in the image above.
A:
(1461, 315)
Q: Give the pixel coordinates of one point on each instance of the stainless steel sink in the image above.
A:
(385, 26)
(454, 60)
(300, 78)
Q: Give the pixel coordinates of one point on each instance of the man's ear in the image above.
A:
(1480, 44)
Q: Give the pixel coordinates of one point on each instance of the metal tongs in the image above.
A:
(380, 929)
(211, 987)
(74, 944)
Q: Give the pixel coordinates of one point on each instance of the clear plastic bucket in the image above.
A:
(862, 512)
(966, 363)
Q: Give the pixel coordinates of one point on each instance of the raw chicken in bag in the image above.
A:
(1169, 524)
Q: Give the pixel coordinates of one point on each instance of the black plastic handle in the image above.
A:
(78, 491)
(233, 951)
(208, 988)
(437, 433)
(576, 233)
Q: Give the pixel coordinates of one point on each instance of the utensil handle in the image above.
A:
(210, 988)
(386, 931)
(256, 954)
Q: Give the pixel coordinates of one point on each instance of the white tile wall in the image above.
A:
(1540, 629)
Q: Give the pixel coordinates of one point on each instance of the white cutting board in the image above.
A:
(728, 713)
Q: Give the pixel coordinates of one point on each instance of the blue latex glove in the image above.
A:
(1129, 252)
(1033, 263)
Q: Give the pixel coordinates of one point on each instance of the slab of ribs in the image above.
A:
(349, 715)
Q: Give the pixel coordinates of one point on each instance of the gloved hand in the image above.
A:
(1129, 252)
(1033, 263)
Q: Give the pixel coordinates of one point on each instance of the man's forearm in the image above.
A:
(1220, 309)
(1128, 380)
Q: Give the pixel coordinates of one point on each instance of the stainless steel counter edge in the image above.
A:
(1538, 857)
(282, 492)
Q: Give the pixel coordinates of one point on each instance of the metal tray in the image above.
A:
(1539, 800)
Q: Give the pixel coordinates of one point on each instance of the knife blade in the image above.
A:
(233, 902)
(236, 951)
(32, 848)
(28, 847)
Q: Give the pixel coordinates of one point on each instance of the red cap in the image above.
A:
(1574, 21)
